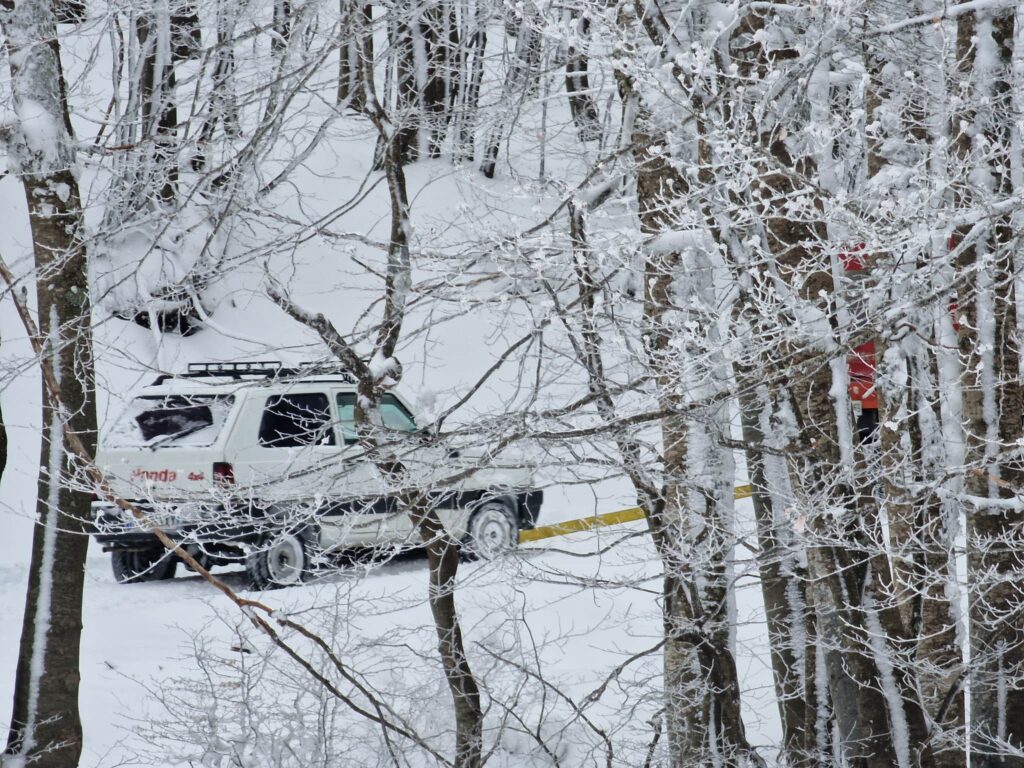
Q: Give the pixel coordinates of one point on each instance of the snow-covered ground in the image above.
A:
(557, 607)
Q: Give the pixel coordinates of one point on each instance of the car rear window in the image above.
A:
(178, 420)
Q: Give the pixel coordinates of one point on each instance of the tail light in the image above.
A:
(223, 473)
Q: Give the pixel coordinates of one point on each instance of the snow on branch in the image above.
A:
(324, 328)
(949, 13)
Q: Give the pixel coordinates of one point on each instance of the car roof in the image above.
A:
(213, 378)
(230, 385)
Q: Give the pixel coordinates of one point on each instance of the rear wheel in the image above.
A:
(132, 566)
(493, 531)
(280, 560)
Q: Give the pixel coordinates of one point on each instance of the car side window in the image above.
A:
(296, 420)
(394, 416)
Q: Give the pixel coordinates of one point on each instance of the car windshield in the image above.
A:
(179, 420)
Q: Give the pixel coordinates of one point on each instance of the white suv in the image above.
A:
(259, 462)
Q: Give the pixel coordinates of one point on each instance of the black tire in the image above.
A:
(134, 566)
(493, 531)
(281, 559)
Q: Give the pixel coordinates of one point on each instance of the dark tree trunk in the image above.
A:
(159, 113)
(702, 690)
(425, 42)
(993, 409)
(443, 561)
(431, 31)
(222, 106)
(407, 116)
(442, 550)
(805, 740)
(186, 32)
(471, 75)
(3, 446)
(355, 57)
(282, 26)
(582, 104)
(521, 74)
(45, 725)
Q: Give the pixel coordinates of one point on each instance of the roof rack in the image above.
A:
(261, 368)
(248, 367)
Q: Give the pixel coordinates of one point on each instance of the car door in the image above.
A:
(355, 518)
(287, 451)
(425, 466)
(394, 526)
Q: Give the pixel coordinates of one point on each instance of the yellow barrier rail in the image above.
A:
(599, 521)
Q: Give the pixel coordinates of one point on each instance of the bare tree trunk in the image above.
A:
(471, 75)
(281, 26)
(918, 524)
(222, 103)
(443, 561)
(186, 32)
(582, 104)
(159, 113)
(46, 729)
(407, 98)
(3, 445)
(434, 54)
(357, 21)
(442, 550)
(70, 11)
(783, 585)
(693, 538)
(993, 410)
(525, 60)
(852, 577)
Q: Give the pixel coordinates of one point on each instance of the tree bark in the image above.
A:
(525, 61)
(354, 59)
(471, 75)
(46, 729)
(582, 104)
(693, 539)
(442, 550)
(805, 738)
(158, 111)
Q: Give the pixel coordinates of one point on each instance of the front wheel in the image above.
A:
(280, 560)
(493, 531)
(133, 566)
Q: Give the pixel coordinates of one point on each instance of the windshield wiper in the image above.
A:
(176, 435)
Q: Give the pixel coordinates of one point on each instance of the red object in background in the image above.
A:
(852, 260)
(861, 362)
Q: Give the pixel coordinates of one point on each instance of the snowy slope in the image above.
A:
(575, 618)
